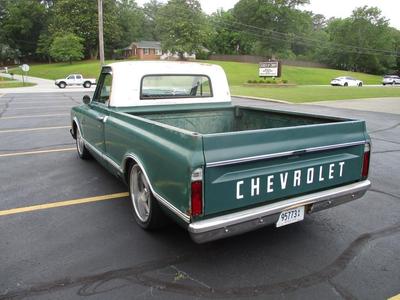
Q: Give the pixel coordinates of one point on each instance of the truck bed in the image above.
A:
(232, 119)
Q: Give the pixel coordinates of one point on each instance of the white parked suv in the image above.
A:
(391, 79)
(75, 79)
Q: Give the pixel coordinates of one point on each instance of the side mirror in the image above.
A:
(86, 99)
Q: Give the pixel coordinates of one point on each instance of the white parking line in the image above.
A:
(40, 107)
(33, 129)
(32, 116)
(36, 152)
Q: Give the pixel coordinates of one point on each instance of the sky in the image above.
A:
(329, 8)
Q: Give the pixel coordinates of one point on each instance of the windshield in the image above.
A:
(175, 86)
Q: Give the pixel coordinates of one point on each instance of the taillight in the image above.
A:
(196, 199)
(365, 166)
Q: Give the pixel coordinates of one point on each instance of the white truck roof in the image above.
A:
(127, 78)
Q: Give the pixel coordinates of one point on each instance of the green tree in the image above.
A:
(131, 20)
(67, 48)
(151, 10)
(275, 27)
(181, 24)
(21, 23)
(362, 42)
(226, 36)
(81, 18)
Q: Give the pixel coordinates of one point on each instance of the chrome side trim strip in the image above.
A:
(163, 201)
(270, 209)
(120, 169)
(281, 154)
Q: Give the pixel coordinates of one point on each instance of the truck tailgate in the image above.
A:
(250, 168)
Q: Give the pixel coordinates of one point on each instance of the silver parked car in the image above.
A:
(391, 79)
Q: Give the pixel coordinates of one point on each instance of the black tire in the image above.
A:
(393, 82)
(149, 216)
(87, 84)
(346, 84)
(83, 152)
(360, 84)
(62, 85)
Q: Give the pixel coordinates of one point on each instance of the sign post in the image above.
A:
(25, 69)
(269, 69)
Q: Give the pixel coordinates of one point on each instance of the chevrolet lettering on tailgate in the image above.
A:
(280, 181)
(170, 131)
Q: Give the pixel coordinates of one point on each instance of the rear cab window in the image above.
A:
(175, 86)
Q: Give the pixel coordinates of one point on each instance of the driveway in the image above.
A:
(67, 232)
(42, 86)
(384, 105)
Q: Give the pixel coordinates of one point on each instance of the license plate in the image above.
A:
(290, 216)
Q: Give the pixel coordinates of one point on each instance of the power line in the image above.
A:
(286, 37)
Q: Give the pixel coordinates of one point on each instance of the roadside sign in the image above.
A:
(269, 69)
(25, 67)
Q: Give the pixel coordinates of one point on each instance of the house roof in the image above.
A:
(147, 44)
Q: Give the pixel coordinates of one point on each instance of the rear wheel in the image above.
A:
(394, 82)
(145, 207)
(87, 84)
(360, 84)
(346, 84)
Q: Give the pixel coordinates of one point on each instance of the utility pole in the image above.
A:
(101, 38)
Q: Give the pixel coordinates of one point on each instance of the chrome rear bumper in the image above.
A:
(254, 218)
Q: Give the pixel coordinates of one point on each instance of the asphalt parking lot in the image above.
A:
(54, 248)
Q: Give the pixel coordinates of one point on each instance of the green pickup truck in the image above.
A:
(170, 131)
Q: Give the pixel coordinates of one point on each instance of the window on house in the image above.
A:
(146, 51)
(158, 52)
(175, 86)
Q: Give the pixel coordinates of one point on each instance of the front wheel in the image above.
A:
(80, 145)
(87, 84)
(360, 84)
(62, 85)
(346, 84)
(145, 207)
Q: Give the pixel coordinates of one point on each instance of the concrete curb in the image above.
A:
(263, 99)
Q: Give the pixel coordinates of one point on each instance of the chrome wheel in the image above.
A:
(80, 145)
(140, 194)
(79, 142)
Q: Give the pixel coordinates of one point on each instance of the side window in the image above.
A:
(104, 92)
(71, 77)
(78, 77)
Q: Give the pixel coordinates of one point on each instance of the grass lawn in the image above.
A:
(61, 70)
(9, 83)
(300, 93)
(240, 73)
(14, 84)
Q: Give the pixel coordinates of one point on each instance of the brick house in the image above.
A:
(143, 50)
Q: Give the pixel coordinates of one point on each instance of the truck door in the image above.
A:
(98, 114)
(70, 80)
(78, 79)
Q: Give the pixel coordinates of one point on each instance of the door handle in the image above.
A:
(102, 118)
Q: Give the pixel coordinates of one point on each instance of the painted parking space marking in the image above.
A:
(38, 102)
(33, 129)
(36, 152)
(45, 206)
(32, 116)
(40, 107)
